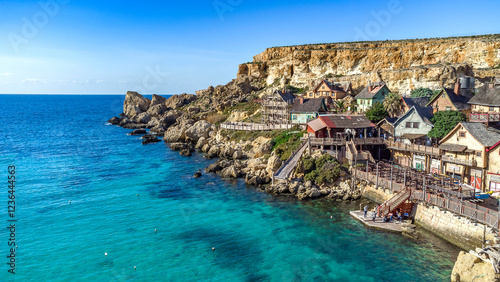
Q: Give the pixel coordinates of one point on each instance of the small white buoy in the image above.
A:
(155, 230)
(213, 248)
(69, 202)
(137, 195)
(105, 254)
(17, 246)
(135, 268)
(331, 216)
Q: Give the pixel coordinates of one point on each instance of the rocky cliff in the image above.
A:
(403, 64)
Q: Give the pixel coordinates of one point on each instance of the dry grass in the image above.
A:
(215, 118)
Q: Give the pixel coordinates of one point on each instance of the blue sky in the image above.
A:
(166, 47)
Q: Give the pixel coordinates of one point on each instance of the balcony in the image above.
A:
(342, 141)
(485, 117)
(453, 160)
(422, 149)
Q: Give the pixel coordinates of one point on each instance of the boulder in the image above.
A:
(197, 174)
(213, 152)
(177, 101)
(201, 142)
(149, 138)
(138, 132)
(273, 163)
(308, 184)
(469, 267)
(230, 172)
(206, 148)
(169, 118)
(227, 152)
(294, 187)
(282, 189)
(135, 104)
(115, 120)
(198, 130)
(141, 118)
(178, 146)
(157, 100)
(262, 150)
(174, 134)
(131, 125)
(238, 155)
(313, 193)
(185, 152)
(253, 180)
(157, 110)
(158, 130)
(213, 168)
(124, 122)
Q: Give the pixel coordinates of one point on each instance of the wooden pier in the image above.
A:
(379, 222)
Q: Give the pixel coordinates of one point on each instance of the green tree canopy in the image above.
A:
(392, 103)
(376, 113)
(421, 92)
(444, 122)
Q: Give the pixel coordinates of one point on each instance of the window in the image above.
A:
(408, 125)
(492, 109)
(478, 154)
(294, 117)
(310, 94)
(448, 108)
(416, 124)
(461, 134)
(323, 87)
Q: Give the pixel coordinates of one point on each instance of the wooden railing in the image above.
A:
(450, 159)
(438, 197)
(485, 117)
(414, 148)
(342, 141)
(254, 126)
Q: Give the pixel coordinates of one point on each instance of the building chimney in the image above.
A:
(301, 100)
(458, 86)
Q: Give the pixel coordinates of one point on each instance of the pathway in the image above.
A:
(290, 164)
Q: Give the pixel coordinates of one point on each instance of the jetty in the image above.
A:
(379, 223)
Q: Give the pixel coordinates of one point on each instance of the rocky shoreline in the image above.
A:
(254, 161)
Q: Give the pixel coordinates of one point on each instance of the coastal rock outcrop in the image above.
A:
(177, 101)
(135, 104)
(469, 268)
(115, 120)
(198, 130)
(138, 132)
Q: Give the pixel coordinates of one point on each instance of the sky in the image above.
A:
(170, 47)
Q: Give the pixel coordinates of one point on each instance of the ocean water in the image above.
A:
(76, 199)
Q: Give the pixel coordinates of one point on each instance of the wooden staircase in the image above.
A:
(393, 203)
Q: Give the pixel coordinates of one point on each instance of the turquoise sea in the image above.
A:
(76, 199)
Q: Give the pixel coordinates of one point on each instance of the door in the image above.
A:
(475, 182)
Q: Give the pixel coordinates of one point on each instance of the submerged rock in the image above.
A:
(138, 132)
(197, 174)
(115, 120)
(185, 152)
(149, 138)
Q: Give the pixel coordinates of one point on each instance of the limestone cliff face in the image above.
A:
(403, 64)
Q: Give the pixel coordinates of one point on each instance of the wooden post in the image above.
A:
(391, 177)
(424, 188)
(376, 187)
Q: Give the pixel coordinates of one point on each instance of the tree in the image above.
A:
(421, 92)
(444, 122)
(376, 113)
(340, 106)
(392, 104)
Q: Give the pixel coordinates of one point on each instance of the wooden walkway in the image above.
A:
(379, 223)
(287, 168)
(246, 126)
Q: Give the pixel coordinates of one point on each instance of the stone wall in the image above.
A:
(458, 230)
(379, 195)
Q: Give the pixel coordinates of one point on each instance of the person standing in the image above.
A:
(366, 210)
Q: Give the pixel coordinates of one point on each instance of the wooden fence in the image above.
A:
(254, 126)
(440, 197)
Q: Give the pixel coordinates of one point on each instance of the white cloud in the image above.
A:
(5, 74)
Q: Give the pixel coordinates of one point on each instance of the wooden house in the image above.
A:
(485, 105)
(276, 107)
(304, 110)
(329, 89)
(465, 152)
(371, 94)
(455, 99)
